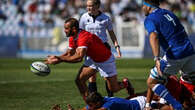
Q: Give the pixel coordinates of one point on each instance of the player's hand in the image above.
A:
(52, 59)
(158, 67)
(119, 52)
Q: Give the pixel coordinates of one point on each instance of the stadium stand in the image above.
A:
(39, 23)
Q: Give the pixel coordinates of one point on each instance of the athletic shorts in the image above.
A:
(141, 100)
(172, 67)
(106, 69)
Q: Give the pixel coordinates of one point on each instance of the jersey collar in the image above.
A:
(155, 10)
(94, 17)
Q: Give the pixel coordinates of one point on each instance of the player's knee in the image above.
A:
(151, 82)
(92, 78)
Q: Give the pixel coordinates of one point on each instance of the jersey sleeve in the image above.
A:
(84, 41)
(150, 26)
(81, 22)
(109, 23)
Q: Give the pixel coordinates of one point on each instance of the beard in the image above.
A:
(69, 34)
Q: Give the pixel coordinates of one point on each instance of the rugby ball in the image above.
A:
(40, 68)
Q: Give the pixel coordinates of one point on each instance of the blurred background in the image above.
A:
(34, 28)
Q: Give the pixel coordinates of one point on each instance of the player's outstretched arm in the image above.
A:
(69, 52)
(77, 57)
(53, 59)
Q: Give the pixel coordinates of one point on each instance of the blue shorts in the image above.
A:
(172, 67)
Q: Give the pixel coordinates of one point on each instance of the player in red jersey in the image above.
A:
(83, 43)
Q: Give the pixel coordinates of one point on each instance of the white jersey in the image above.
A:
(97, 25)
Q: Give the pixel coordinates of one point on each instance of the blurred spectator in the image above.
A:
(2, 15)
(43, 16)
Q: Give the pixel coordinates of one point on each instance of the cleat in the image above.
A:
(128, 86)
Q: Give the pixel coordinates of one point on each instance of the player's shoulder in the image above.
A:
(159, 12)
(104, 15)
(155, 16)
(84, 34)
(84, 15)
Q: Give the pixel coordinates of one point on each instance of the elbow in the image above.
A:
(79, 59)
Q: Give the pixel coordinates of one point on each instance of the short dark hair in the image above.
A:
(94, 97)
(96, 2)
(153, 2)
(73, 22)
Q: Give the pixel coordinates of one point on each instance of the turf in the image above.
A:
(20, 89)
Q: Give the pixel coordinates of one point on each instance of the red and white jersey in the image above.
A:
(96, 50)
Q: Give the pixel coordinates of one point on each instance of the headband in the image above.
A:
(149, 5)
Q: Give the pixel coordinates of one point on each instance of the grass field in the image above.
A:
(20, 89)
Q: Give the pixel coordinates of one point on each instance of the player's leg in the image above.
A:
(107, 70)
(158, 88)
(110, 93)
(188, 70)
(84, 74)
(113, 84)
(92, 86)
(155, 81)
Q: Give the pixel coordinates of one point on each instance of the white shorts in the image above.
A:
(141, 100)
(172, 67)
(106, 69)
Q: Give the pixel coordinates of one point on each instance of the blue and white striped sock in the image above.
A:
(161, 91)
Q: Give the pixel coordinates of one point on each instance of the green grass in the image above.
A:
(21, 89)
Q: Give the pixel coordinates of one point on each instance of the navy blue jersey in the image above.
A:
(113, 103)
(172, 36)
